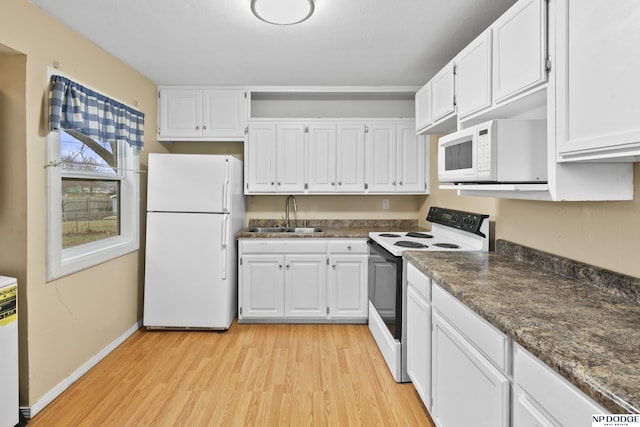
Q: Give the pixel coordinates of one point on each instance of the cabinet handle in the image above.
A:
(280, 266)
(393, 183)
(197, 127)
(279, 183)
(334, 266)
(333, 183)
(272, 183)
(348, 248)
(288, 266)
(340, 183)
(401, 183)
(204, 128)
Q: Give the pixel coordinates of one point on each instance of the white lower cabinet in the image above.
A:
(541, 397)
(347, 281)
(302, 279)
(419, 333)
(467, 389)
(305, 290)
(262, 293)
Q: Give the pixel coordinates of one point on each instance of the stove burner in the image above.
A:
(389, 235)
(447, 245)
(419, 235)
(409, 244)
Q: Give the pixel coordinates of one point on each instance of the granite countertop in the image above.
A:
(588, 334)
(331, 229)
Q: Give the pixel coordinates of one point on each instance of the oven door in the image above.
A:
(385, 287)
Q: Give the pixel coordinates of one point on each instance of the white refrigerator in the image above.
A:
(195, 205)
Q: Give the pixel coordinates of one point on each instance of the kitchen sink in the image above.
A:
(285, 230)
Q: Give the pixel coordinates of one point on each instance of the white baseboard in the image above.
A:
(31, 411)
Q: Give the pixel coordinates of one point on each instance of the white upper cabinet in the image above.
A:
(224, 113)
(396, 159)
(519, 49)
(290, 163)
(180, 113)
(194, 114)
(436, 103)
(381, 158)
(350, 157)
(412, 161)
(597, 86)
(260, 176)
(473, 76)
(423, 107)
(321, 158)
(443, 93)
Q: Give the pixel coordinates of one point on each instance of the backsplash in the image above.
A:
(606, 280)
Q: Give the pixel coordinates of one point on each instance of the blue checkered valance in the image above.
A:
(75, 107)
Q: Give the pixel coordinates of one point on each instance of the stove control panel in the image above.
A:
(466, 221)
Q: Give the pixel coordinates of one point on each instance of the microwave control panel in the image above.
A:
(484, 150)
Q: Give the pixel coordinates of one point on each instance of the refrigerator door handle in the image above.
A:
(225, 189)
(225, 247)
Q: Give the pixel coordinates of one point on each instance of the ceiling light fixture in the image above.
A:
(283, 12)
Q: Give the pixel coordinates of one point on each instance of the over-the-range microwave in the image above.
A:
(497, 151)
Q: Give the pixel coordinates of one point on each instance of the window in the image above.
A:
(92, 199)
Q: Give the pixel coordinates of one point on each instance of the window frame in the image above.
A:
(62, 262)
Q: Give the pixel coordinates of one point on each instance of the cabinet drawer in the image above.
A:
(419, 281)
(270, 246)
(349, 246)
(490, 341)
(554, 394)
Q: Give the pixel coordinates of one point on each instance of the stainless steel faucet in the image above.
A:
(286, 209)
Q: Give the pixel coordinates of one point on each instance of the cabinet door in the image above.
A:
(347, 286)
(381, 155)
(423, 107)
(290, 168)
(473, 76)
(412, 161)
(180, 113)
(261, 286)
(321, 158)
(443, 93)
(350, 158)
(305, 286)
(419, 344)
(596, 68)
(463, 378)
(261, 159)
(541, 393)
(519, 49)
(527, 414)
(224, 113)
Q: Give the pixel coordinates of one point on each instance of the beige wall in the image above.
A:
(65, 322)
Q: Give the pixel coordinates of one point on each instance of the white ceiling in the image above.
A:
(219, 42)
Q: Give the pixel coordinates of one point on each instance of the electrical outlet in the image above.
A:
(385, 203)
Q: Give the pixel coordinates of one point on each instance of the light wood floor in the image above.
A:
(251, 375)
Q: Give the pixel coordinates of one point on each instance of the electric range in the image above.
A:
(451, 230)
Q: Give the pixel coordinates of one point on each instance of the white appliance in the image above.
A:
(451, 230)
(195, 205)
(495, 151)
(9, 404)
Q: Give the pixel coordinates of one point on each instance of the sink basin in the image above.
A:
(307, 230)
(285, 230)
